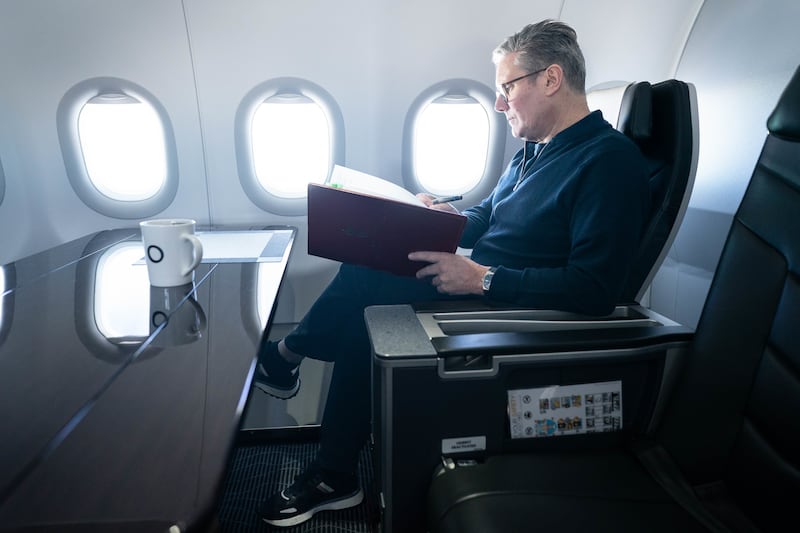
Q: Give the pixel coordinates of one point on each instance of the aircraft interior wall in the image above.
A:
(201, 57)
(740, 56)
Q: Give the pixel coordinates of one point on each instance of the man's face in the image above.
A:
(526, 106)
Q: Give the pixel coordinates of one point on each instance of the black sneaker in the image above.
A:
(312, 491)
(274, 375)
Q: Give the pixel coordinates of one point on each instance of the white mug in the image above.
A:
(172, 251)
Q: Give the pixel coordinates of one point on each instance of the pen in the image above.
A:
(446, 199)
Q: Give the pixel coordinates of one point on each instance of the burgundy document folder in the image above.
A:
(377, 232)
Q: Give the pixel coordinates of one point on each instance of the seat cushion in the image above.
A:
(567, 491)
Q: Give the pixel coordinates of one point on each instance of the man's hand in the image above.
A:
(451, 273)
(427, 199)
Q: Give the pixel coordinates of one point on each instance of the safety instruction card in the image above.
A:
(565, 410)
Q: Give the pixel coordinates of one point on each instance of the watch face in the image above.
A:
(487, 279)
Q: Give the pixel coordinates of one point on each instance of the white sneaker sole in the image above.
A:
(335, 505)
(281, 394)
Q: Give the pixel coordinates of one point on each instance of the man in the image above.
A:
(557, 232)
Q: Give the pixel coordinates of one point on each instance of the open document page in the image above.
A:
(360, 219)
(353, 180)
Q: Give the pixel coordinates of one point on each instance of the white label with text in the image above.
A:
(463, 444)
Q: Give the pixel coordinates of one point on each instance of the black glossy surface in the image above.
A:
(134, 427)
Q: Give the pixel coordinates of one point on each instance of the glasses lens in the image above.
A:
(505, 88)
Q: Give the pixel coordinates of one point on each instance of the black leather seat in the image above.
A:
(726, 454)
(662, 120)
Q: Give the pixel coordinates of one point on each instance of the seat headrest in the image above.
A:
(636, 111)
(784, 122)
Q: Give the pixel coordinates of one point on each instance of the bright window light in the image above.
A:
(451, 144)
(291, 145)
(122, 140)
(122, 292)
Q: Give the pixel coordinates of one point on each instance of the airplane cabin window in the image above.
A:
(118, 148)
(607, 97)
(121, 142)
(289, 132)
(290, 137)
(448, 161)
(454, 140)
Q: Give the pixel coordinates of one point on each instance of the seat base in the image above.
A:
(611, 490)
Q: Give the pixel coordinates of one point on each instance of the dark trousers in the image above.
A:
(334, 330)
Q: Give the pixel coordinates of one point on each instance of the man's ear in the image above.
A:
(554, 77)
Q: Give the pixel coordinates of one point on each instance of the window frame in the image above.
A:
(67, 115)
(244, 143)
(495, 153)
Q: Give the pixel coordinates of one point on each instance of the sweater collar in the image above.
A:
(589, 125)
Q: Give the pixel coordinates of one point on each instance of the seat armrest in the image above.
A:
(560, 341)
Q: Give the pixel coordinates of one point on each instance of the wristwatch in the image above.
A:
(487, 279)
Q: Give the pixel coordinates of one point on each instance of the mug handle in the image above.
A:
(197, 253)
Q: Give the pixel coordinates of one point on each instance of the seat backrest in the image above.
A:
(732, 425)
(662, 120)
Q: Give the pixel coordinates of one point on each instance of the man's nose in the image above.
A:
(500, 104)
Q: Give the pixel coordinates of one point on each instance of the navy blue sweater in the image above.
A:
(564, 237)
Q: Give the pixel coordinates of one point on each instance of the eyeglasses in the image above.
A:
(505, 88)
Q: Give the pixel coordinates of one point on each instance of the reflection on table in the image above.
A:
(120, 401)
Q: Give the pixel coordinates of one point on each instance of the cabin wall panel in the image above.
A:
(200, 58)
(328, 43)
(740, 56)
(235, 50)
(45, 49)
(374, 58)
(423, 43)
(630, 40)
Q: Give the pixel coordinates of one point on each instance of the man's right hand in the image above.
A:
(427, 199)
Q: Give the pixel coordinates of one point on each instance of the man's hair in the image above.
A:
(540, 45)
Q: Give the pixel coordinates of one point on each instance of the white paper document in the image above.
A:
(251, 246)
(353, 180)
(233, 246)
(565, 410)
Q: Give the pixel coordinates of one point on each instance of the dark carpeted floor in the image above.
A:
(258, 471)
